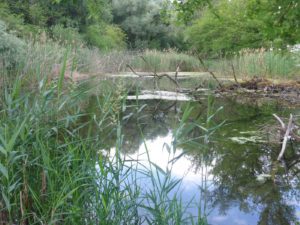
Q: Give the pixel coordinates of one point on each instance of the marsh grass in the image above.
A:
(52, 167)
(165, 61)
(260, 63)
(143, 61)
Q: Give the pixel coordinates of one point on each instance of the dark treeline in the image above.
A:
(214, 27)
(102, 23)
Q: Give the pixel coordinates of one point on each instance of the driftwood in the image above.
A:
(288, 133)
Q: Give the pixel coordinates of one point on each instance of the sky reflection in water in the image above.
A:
(191, 179)
(229, 166)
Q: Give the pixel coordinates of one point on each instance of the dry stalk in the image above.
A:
(234, 75)
(44, 184)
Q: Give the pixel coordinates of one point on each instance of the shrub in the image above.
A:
(67, 35)
(12, 49)
(105, 37)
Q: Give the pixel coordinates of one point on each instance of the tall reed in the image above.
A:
(260, 63)
(53, 169)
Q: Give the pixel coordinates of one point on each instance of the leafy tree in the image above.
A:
(65, 20)
(105, 37)
(213, 36)
(144, 24)
(237, 24)
(186, 9)
(281, 19)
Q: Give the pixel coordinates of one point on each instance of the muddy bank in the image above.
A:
(255, 88)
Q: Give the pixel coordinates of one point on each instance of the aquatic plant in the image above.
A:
(260, 63)
(54, 166)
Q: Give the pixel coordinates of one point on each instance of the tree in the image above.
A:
(144, 24)
(237, 24)
(65, 20)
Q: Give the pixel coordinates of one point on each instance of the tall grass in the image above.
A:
(143, 61)
(261, 63)
(165, 61)
(52, 167)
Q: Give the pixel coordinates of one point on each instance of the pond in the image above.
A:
(224, 149)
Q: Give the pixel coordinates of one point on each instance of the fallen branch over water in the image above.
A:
(159, 76)
(286, 137)
(288, 134)
(210, 72)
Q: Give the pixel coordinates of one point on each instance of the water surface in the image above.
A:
(231, 171)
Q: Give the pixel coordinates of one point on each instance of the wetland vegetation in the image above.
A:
(149, 112)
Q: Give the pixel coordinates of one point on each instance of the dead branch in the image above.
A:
(155, 75)
(286, 138)
(170, 78)
(210, 72)
(280, 121)
(132, 70)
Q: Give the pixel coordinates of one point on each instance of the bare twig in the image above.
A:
(280, 121)
(132, 70)
(210, 72)
(170, 78)
(155, 75)
(177, 70)
(286, 138)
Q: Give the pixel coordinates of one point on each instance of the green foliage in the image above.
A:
(13, 21)
(12, 49)
(143, 23)
(213, 36)
(66, 21)
(187, 9)
(67, 35)
(105, 37)
(228, 26)
(52, 163)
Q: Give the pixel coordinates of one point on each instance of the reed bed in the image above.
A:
(54, 166)
(260, 63)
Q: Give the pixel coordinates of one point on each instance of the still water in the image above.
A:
(224, 168)
(225, 150)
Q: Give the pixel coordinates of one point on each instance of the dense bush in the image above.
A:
(229, 26)
(144, 24)
(213, 36)
(105, 37)
(70, 22)
(67, 35)
(12, 49)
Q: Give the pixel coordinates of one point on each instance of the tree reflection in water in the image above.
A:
(234, 166)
